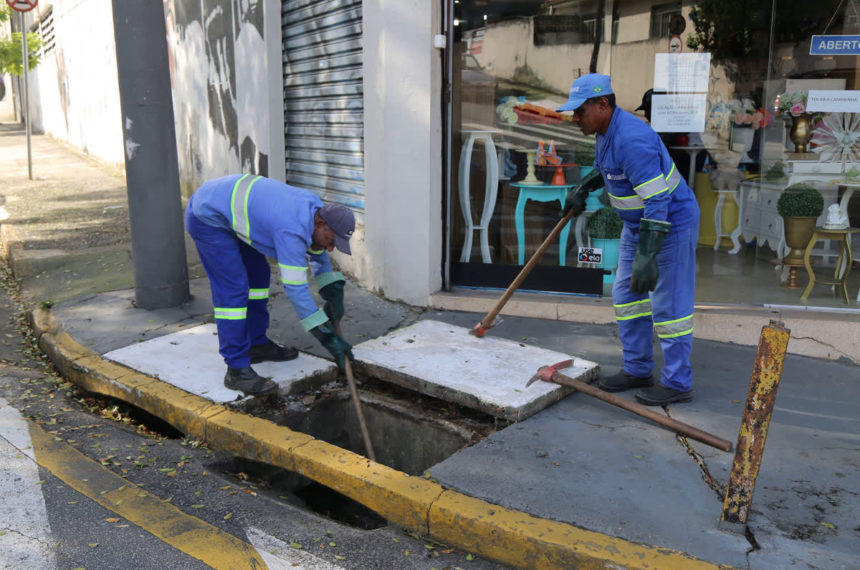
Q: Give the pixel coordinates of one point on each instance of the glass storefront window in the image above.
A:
(750, 104)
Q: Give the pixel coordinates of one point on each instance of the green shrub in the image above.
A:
(583, 154)
(800, 200)
(605, 224)
(775, 172)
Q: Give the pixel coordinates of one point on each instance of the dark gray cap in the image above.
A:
(341, 220)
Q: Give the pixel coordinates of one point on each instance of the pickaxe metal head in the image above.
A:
(545, 372)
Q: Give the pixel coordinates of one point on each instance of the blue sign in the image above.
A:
(835, 45)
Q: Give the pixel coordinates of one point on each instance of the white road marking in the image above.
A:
(278, 555)
(25, 536)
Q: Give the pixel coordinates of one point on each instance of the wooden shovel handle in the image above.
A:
(353, 391)
(487, 321)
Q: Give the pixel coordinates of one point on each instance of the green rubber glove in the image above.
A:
(652, 234)
(575, 197)
(333, 343)
(333, 295)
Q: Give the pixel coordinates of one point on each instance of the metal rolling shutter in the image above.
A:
(323, 98)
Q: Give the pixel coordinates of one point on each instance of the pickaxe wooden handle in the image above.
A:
(490, 321)
(551, 374)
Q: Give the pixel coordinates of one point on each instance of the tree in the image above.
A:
(11, 60)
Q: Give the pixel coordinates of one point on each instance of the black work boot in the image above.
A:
(660, 394)
(623, 381)
(271, 352)
(247, 381)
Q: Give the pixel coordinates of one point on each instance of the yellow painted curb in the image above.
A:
(417, 504)
(525, 541)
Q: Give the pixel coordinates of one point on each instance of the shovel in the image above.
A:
(353, 390)
(552, 374)
(492, 319)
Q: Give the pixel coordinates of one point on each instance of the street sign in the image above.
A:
(675, 44)
(22, 5)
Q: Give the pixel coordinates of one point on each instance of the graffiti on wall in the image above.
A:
(218, 75)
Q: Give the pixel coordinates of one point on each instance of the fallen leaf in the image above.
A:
(228, 516)
(470, 557)
(112, 520)
(296, 545)
(93, 544)
(828, 525)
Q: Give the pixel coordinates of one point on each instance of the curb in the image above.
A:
(419, 505)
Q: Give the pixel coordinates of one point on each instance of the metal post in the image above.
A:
(152, 169)
(25, 107)
(772, 346)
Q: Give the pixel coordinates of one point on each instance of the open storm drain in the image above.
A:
(409, 432)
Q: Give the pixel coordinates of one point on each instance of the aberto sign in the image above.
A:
(22, 5)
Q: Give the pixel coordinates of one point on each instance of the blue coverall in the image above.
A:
(236, 221)
(642, 182)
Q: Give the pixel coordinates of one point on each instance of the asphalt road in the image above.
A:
(90, 483)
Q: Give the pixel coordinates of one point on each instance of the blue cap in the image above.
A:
(586, 87)
(341, 220)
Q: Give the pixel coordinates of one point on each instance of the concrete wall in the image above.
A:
(226, 117)
(403, 150)
(73, 92)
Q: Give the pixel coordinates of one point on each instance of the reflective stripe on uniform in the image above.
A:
(328, 278)
(634, 310)
(673, 179)
(674, 328)
(315, 251)
(626, 202)
(239, 206)
(255, 294)
(314, 320)
(293, 274)
(231, 314)
(651, 188)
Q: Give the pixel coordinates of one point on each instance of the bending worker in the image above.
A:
(658, 242)
(236, 221)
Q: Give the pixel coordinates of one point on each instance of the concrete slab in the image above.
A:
(189, 360)
(487, 374)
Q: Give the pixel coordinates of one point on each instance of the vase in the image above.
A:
(801, 132)
(742, 141)
(798, 232)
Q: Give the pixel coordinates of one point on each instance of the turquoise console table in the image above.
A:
(539, 193)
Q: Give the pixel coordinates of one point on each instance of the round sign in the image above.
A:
(677, 24)
(675, 44)
(22, 5)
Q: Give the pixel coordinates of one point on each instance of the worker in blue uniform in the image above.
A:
(236, 222)
(658, 242)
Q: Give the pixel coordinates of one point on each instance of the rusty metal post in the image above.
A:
(752, 435)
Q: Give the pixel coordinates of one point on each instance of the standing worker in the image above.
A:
(236, 221)
(658, 243)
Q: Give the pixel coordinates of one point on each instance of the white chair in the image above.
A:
(491, 190)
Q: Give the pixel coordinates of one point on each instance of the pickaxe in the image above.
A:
(552, 374)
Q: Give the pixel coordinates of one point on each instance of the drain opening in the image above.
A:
(299, 491)
(331, 504)
(120, 411)
(408, 434)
